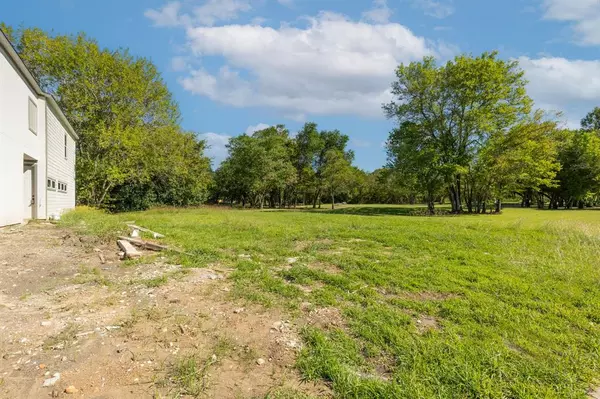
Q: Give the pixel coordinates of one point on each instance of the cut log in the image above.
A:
(154, 233)
(145, 244)
(130, 251)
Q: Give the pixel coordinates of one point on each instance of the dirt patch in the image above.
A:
(427, 323)
(325, 267)
(326, 318)
(120, 330)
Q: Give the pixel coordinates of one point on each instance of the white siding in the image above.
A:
(59, 168)
(16, 140)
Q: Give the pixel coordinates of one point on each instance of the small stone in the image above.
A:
(238, 310)
(292, 260)
(96, 249)
(260, 361)
(46, 323)
(55, 393)
(71, 389)
(51, 381)
(213, 358)
(42, 366)
(63, 359)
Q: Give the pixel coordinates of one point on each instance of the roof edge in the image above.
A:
(30, 80)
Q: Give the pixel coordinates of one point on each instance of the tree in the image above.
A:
(591, 121)
(579, 176)
(337, 173)
(456, 107)
(418, 160)
(328, 140)
(519, 160)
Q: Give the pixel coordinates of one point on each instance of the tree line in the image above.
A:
(466, 133)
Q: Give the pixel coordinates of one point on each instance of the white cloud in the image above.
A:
(220, 10)
(584, 14)
(331, 66)
(208, 13)
(255, 128)
(166, 16)
(380, 13)
(217, 149)
(436, 9)
(566, 85)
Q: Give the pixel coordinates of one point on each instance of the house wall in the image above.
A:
(16, 140)
(59, 168)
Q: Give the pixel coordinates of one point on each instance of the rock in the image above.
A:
(55, 393)
(63, 359)
(51, 381)
(71, 389)
(260, 361)
(96, 249)
(292, 260)
(42, 366)
(213, 358)
(45, 323)
(238, 310)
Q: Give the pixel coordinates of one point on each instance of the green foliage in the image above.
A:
(579, 177)
(591, 122)
(465, 127)
(272, 167)
(131, 151)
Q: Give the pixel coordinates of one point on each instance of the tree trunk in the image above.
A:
(431, 206)
(498, 206)
(332, 201)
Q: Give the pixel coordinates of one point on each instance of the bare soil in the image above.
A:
(114, 330)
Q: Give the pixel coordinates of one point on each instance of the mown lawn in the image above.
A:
(504, 306)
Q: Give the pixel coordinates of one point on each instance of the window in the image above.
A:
(33, 116)
(65, 146)
(62, 187)
(51, 184)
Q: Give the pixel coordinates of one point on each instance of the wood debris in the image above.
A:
(130, 251)
(154, 233)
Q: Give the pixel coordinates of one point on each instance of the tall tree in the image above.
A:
(457, 107)
(591, 121)
(337, 174)
(418, 160)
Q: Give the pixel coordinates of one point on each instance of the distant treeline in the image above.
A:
(466, 134)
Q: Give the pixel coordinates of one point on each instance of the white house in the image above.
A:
(37, 146)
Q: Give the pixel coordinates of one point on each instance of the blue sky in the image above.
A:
(235, 65)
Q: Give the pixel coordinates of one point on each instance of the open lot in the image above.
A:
(358, 302)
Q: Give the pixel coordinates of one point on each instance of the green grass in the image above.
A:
(515, 297)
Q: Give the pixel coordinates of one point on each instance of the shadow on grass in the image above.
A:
(380, 211)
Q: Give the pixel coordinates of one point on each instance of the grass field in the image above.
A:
(503, 306)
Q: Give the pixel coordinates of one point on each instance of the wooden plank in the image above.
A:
(154, 233)
(145, 244)
(130, 251)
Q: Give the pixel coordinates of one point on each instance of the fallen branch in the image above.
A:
(154, 233)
